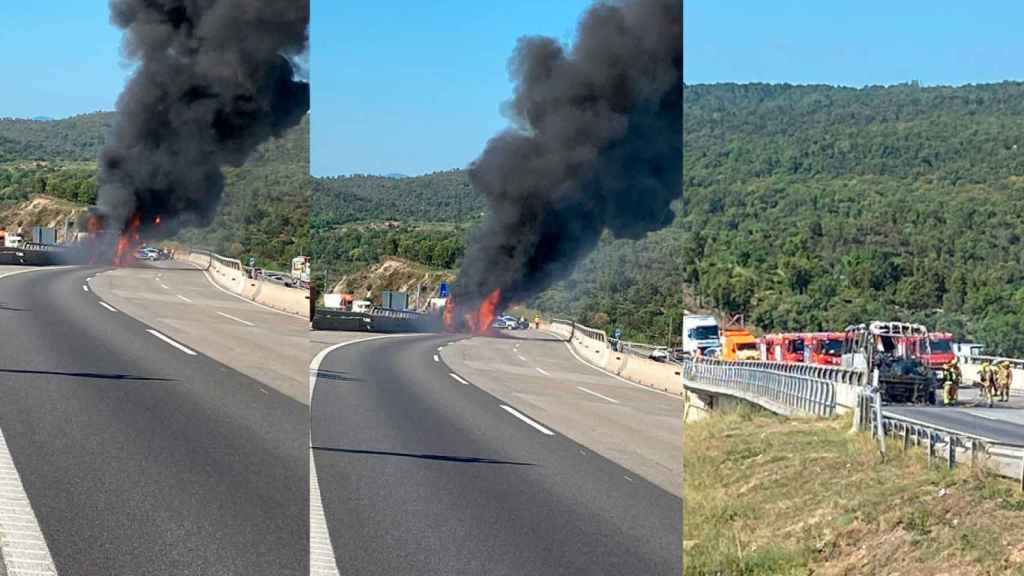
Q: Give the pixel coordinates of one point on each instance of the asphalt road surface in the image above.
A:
(422, 472)
(1003, 422)
(180, 300)
(633, 425)
(138, 454)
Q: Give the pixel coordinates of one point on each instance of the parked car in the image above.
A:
(659, 354)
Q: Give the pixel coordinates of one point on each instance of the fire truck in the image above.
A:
(824, 348)
(782, 348)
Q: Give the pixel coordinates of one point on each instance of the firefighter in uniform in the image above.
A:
(951, 378)
(987, 375)
(1005, 380)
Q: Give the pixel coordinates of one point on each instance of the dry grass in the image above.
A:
(770, 496)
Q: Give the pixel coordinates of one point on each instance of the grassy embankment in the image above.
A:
(770, 496)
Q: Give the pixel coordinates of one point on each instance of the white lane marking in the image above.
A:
(22, 546)
(537, 426)
(627, 478)
(247, 323)
(85, 288)
(520, 356)
(181, 347)
(436, 359)
(457, 377)
(183, 298)
(164, 286)
(439, 348)
(543, 371)
(244, 299)
(16, 272)
(321, 553)
(107, 306)
(582, 389)
(616, 376)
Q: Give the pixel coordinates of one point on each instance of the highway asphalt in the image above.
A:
(636, 426)
(179, 299)
(423, 472)
(139, 457)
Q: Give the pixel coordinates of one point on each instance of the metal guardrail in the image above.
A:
(587, 331)
(789, 389)
(382, 312)
(1003, 458)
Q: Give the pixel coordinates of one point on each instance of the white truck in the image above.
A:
(701, 334)
(300, 271)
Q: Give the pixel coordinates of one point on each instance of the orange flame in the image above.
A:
(129, 241)
(485, 315)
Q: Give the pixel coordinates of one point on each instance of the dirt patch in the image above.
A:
(39, 211)
(393, 274)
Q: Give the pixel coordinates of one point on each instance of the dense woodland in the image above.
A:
(265, 210)
(806, 207)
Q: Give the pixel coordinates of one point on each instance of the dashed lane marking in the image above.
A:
(181, 347)
(592, 393)
(535, 425)
(85, 288)
(22, 546)
(182, 298)
(543, 371)
(246, 322)
(436, 359)
(108, 306)
(457, 377)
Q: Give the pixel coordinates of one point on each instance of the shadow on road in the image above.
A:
(6, 308)
(336, 376)
(90, 375)
(438, 457)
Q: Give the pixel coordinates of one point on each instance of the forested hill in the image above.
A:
(811, 207)
(438, 197)
(78, 138)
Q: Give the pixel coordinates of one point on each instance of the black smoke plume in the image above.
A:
(596, 144)
(215, 78)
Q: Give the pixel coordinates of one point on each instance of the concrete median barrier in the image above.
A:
(229, 274)
(593, 347)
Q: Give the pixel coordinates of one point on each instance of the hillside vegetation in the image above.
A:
(265, 209)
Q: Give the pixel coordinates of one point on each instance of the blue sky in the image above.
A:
(62, 58)
(853, 43)
(413, 87)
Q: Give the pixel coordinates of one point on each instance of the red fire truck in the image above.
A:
(782, 347)
(824, 348)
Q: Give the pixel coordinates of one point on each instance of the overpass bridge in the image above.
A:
(971, 431)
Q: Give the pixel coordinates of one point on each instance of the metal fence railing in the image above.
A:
(789, 389)
(950, 446)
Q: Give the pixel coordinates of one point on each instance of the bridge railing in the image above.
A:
(790, 389)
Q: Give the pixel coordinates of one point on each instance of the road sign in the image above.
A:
(442, 290)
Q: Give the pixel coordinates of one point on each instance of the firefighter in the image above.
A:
(536, 322)
(1005, 380)
(951, 378)
(987, 375)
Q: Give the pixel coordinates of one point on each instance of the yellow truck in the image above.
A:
(739, 344)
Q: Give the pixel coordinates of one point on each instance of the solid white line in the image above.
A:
(108, 306)
(612, 400)
(17, 517)
(457, 377)
(436, 359)
(543, 371)
(247, 323)
(616, 376)
(16, 272)
(538, 427)
(183, 298)
(85, 288)
(319, 535)
(321, 553)
(244, 299)
(184, 349)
